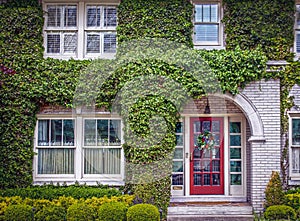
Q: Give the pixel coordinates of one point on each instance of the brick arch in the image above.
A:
(252, 115)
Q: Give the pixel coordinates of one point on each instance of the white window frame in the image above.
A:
(90, 179)
(294, 176)
(37, 147)
(207, 44)
(297, 30)
(81, 30)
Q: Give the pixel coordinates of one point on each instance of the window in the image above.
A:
(56, 144)
(207, 24)
(297, 31)
(78, 149)
(102, 146)
(80, 30)
(295, 145)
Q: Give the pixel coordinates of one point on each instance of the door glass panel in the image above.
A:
(197, 179)
(216, 179)
(216, 166)
(178, 153)
(207, 179)
(206, 165)
(206, 126)
(179, 140)
(197, 153)
(215, 126)
(197, 166)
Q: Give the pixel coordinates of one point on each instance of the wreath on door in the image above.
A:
(205, 141)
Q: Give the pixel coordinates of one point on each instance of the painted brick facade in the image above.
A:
(265, 155)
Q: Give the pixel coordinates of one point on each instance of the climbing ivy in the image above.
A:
(28, 81)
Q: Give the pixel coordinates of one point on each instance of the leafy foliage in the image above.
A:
(114, 211)
(269, 24)
(18, 213)
(278, 212)
(274, 192)
(143, 212)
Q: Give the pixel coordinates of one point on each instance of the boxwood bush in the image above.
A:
(143, 212)
(51, 213)
(81, 212)
(20, 212)
(113, 211)
(277, 212)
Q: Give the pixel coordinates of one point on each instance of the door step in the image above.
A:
(210, 212)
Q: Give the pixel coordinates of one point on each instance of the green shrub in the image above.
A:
(19, 212)
(143, 212)
(292, 200)
(80, 212)
(276, 212)
(51, 213)
(274, 192)
(113, 211)
(53, 192)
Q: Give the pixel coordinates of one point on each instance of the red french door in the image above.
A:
(206, 165)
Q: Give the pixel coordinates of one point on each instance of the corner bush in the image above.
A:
(20, 212)
(274, 192)
(80, 212)
(280, 212)
(113, 211)
(51, 213)
(143, 212)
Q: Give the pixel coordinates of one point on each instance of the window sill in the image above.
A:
(209, 47)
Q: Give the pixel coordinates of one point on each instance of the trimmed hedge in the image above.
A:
(113, 211)
(280, 212)
(80, 212)
(20, 212)
(143, 212)
(54, 192)
(51, 213)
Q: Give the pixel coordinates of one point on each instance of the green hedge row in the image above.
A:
(54, 192)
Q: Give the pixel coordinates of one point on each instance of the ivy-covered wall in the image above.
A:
(255, 31)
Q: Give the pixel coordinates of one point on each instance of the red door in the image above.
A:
(206, 165)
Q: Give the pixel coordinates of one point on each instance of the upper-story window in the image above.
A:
(207, 25)
(80, 30)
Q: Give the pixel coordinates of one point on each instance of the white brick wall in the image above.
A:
(265, 156)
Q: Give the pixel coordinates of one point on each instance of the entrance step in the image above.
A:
(220, 211)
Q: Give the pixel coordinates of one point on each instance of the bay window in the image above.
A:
(80, 30)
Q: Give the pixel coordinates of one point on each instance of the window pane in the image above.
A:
(93, 16)
(235, 153)
(43, 132)
(235, 166)
(178, 153)
(90, 132)
(93, 43)
(179, 127)
(110, 43)
(102, 161)
(56, 161)
(207, 33)
(236, 179)
(54, 16)
(70, 43)
(198, 13)
(296, 160)
(177, 166)
(115, 132)
(235, 140)
(214, 13)
(296, 132)
(56, 132)
(179, 140)
(53, 43)
(298, 43)
(206, 13)
(70, 19)
(177, 179)
(102, 132)
(235, 127)
(110, 17)
(68, 132)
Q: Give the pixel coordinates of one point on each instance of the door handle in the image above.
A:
(191, 157)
